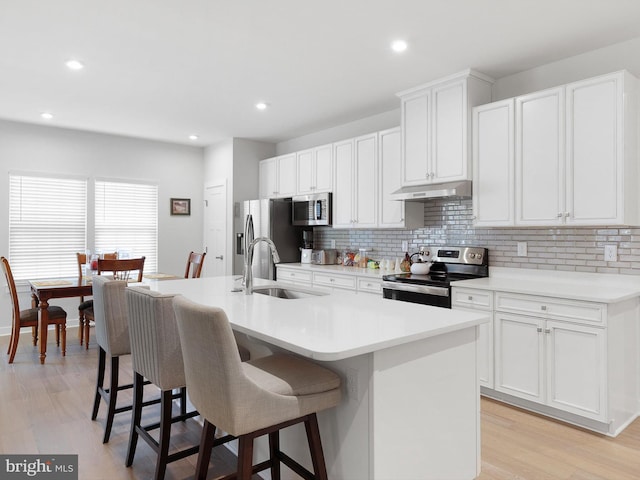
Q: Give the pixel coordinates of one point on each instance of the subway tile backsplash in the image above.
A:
(449, 222)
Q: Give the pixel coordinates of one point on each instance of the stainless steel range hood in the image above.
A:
(421, 193)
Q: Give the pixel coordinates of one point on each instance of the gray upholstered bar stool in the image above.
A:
(156, 355)
(250, 399)
(112, 336)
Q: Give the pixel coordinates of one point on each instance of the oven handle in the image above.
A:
(425, 289)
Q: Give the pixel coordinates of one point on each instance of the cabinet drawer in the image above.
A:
(468, 298)
(549, 307)
(336, 281)
(370, 285)
(297, 276)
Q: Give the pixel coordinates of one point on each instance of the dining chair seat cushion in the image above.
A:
(31, 314)
(85, 305)
(289, 375)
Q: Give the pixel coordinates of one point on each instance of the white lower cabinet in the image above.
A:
(474, 300)
(556, 363)
(573, 360)
(327, 280)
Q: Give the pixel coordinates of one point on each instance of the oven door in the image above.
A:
(424, 294)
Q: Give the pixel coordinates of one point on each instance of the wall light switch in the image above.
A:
(610, 253)
(522, 249)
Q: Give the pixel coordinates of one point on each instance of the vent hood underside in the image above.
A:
(421, 193)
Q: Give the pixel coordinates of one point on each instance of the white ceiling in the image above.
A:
(164, 69)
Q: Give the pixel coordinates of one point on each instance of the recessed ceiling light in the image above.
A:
(193, 137)
(261, 106)
(46, 115)
(74, 65)
(399, 46)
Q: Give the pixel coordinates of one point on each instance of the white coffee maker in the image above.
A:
(307, 246)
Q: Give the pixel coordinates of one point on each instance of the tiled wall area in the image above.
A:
(449, 222)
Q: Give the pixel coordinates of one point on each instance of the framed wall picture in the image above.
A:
(180, 206)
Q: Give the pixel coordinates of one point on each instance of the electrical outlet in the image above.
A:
(610, 253)
(333, 244)
(405, 246)
(522, 249)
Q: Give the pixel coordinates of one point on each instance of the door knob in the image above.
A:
(220, 257)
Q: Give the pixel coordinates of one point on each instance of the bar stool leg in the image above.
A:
(102, 357)
(165, 434)
(136, 415)
(274, 448)
(315, 446)
(204, 454)
(113, 396)
(245, 457)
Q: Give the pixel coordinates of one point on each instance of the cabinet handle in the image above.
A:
(559, 215)
(470, 298)
(566, 214)
(539, 329)
(332, 279)
(543, 307)
(547, 330)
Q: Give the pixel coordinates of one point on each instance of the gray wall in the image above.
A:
(177, 169)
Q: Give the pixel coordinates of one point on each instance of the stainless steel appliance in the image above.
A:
(271, 219)
(449, 265)
(311, 210)
(324, 257)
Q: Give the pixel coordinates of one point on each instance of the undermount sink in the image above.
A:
(289, 293)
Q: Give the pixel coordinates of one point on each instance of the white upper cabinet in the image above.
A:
(392, 213)
(315, 170)
(436, 125)
(575, 156)
(356, 176)
(540, 170)
(493, 168)
(601, 164)
(278, 176)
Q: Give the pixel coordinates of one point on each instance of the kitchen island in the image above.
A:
(411, 405)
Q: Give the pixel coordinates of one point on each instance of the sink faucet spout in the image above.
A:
(248, 261)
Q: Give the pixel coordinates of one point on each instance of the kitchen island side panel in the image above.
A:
(426, 409)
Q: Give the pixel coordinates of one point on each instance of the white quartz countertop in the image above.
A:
(329, 327)
(593, 287)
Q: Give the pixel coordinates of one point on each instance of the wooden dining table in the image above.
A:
(44, 290)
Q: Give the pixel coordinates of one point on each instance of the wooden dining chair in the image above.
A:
(85, 309)
(194, 263)
(29, 317)
(122, 269)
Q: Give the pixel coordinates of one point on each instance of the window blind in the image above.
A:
(126, 219)
(47, 225)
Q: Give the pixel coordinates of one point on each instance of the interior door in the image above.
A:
(216, 213)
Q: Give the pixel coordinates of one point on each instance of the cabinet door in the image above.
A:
(305, 172)
(540, 158)
(449, 132)
(343, 184)
(576, 369)
(519, 356)
(595, 150)
(287, 175)
(323, 168)
(416, 153)
(493, 164)
(391, 212)
(268, 175)
(366, 181)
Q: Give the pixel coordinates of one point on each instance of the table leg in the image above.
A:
(43, 326)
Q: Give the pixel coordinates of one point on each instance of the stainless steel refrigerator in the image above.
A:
(272, 219)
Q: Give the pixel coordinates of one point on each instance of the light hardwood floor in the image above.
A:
(46, 409)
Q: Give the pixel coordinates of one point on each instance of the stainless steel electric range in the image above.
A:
(448, 264)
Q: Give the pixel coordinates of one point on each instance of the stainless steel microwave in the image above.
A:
(311, 210)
